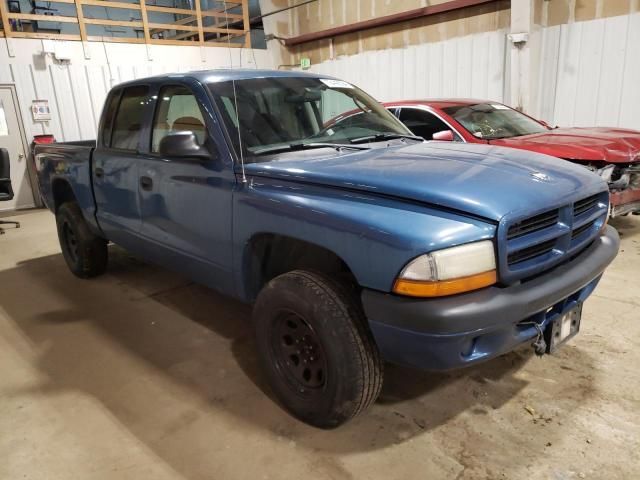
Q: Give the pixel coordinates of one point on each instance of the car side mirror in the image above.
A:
(183, 144)
(443, 136)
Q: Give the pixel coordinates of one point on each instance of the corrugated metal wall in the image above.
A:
(471, 66)
(76, 91)
(590, 73)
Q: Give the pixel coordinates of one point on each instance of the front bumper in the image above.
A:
(625, 201)
(452, 332)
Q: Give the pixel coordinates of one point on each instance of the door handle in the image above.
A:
(99, 172)
(146, 183)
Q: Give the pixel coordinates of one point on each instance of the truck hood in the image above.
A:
(613, 145)
(481, 180)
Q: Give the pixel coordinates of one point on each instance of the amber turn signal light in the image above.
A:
(415, 288)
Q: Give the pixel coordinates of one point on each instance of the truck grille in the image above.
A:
(585, 205)
(580, 230)
(531, 252)
(533, 224)
(534, 244)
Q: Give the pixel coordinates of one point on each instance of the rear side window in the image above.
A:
(128, 122)
(421, 123)
(107, 121)
(177, 111)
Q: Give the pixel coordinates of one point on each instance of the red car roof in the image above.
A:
(439, 103)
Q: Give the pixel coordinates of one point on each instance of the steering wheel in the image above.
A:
(485, 129)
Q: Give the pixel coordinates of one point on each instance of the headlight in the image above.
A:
(449, 271)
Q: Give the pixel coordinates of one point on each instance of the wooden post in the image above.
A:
(5, 19)
(199, 20)
(145, 22)
(145, 28)
(81, 25)
(247, 24)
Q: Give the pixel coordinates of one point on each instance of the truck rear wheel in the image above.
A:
(316, 348)
(85, 253)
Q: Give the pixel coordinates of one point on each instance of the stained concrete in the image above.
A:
(140, 374)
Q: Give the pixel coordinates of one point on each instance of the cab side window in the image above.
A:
(107, 119)
(177, 110)
(128, 121)
(423, 124)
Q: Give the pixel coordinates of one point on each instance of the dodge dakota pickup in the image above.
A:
(355, 242)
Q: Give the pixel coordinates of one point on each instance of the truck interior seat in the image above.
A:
(259, 128)
(127, 139)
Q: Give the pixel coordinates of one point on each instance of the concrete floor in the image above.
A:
(140, 374)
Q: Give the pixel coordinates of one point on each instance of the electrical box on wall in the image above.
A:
(48, 46)
(59, 51)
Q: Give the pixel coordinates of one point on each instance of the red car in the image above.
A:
(613, 153)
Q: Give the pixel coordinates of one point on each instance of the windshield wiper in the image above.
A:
(292, 147)
(379, 137)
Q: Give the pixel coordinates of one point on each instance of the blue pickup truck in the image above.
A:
(355, 241)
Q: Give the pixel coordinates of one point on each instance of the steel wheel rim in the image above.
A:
(70, 241)
(298, 353)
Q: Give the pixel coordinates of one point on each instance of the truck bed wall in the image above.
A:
(68, 162)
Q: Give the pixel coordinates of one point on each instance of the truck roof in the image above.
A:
(223, 75)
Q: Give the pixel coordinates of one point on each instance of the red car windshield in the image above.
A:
(491, 121)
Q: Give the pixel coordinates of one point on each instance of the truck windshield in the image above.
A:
(280, 113)
(491, 121)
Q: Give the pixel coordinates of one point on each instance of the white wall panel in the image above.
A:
(77, 91)
(590, 72)
(462, 67)
(588, 75)
(629, 86)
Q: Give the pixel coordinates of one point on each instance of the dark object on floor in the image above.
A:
(6, 192)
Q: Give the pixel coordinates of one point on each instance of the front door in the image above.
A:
(12, 139)
(186, 203)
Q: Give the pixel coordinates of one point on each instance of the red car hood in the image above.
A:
(613, 145)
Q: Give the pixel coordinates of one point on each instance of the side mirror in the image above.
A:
(443, 136)
(183, 144)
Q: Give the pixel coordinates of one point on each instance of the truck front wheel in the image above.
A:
(85, 253)
(316, 348)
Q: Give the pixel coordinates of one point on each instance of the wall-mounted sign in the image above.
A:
(40, 110)
(305, 63)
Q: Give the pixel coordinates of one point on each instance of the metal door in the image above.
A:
(12, 138)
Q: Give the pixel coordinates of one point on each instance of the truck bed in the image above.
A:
(63, 165)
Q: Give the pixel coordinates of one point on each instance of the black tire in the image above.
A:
(86, 254)
(316, 348)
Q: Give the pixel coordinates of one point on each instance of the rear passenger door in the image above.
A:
(186, 203)
(115, 165)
